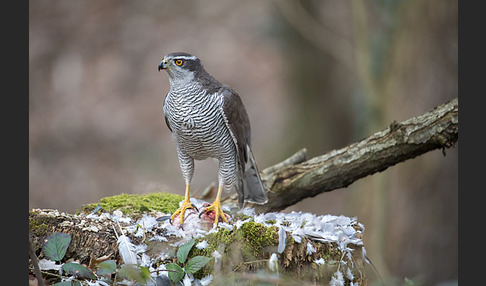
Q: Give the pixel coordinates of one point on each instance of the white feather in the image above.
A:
(310, 248)
(202, 245)
(349, 274)
(206, 280)
(46, 264)
(273, 262)
(187, 280)
(282, 237)
(216, 255)
(127, 250)
(337, 279)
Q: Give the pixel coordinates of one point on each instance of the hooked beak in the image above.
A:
(162, 65)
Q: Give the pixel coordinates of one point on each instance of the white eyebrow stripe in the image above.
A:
(185, 57)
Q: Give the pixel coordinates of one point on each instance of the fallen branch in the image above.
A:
(289, 182)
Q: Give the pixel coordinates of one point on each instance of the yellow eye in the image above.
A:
(179, 62)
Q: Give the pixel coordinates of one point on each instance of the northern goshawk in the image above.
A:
(208, 120)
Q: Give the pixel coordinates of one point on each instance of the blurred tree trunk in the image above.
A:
(316, 56)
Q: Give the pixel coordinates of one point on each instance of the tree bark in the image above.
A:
(296, 179)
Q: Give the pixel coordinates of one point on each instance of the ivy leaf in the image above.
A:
(196, 263)
(177, 275)
(106, 267)
(184, 250)
(55, 246)
(78, 270)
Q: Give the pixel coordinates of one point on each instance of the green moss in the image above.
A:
(258, 236)
(253, 237)
(249, 247)
(331, 253)
(238, 246)
(223, 236)
(137, 203)
(37, 226)
(271, 221)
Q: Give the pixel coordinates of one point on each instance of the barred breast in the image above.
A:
(197, 123)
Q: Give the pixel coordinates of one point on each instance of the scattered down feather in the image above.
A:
(127, 250)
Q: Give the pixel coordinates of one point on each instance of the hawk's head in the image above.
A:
(180, 65)
(184, 69)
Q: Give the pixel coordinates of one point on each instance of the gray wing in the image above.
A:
(167, 122)
(249, 184)
(165, 116)
(237, 121)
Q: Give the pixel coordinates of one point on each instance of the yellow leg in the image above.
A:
(185, 205)
(216, 207)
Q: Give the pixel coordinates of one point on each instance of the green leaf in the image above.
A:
(184, 250)
(78, 270)
(55, 246)
(134, 272)
(145, 272)
(196, 263)
(177, 275)
(106, 267)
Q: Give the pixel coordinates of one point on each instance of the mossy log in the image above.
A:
(244, 250)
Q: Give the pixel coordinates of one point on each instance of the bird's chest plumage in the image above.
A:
(190, 111)
(196, 121)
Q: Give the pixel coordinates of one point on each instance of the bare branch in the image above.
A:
(436, 129)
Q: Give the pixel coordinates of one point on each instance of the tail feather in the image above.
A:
(253, 189)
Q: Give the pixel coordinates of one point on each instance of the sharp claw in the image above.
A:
(194, 206)
(203, 210)
(181, 211)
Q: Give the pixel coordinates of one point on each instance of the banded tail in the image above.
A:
(253, 189)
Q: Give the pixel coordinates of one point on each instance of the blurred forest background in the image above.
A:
(314, 74)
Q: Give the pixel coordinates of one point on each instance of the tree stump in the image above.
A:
(308, 248)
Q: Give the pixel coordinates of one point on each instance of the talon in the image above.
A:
(218, 212)
(181, 211)
(203, 210)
